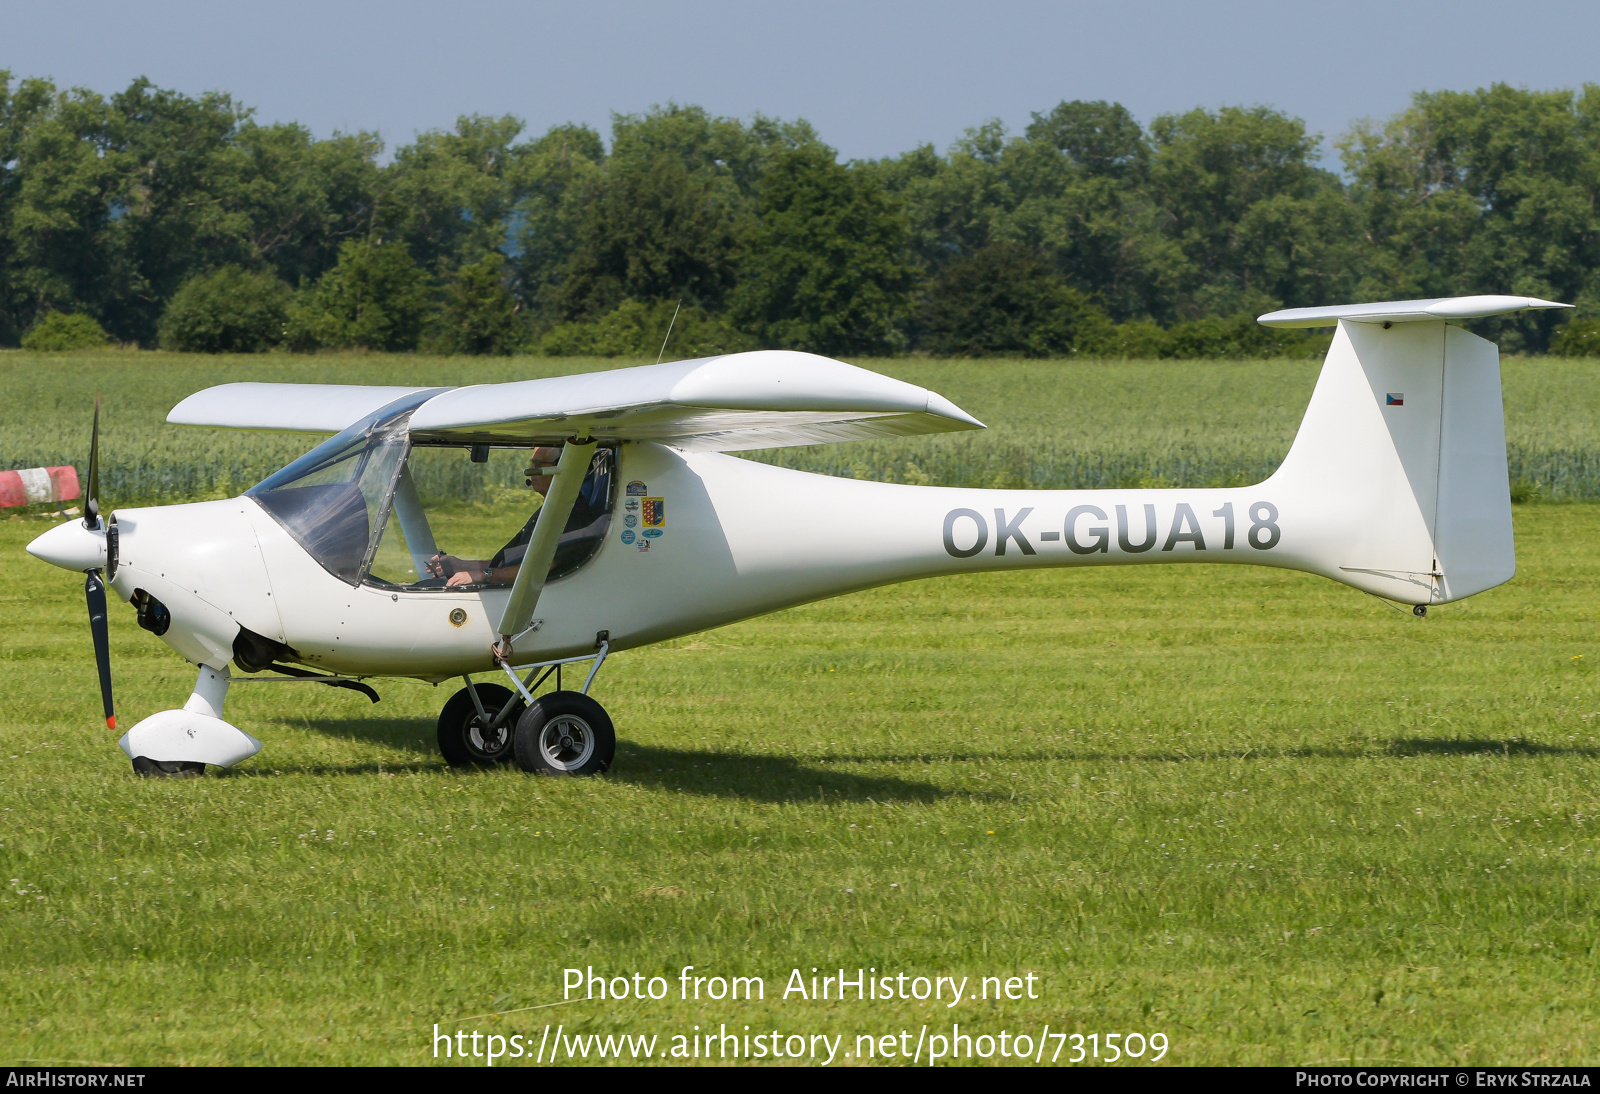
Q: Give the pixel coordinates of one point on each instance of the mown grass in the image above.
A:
(1259, 813)
(1262, 814)
(1052, 423)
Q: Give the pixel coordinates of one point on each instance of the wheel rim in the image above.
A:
(490, 744)
(566, 742)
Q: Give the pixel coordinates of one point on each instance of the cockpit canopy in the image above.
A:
(373, 505)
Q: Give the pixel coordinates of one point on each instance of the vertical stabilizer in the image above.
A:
(1401, 461)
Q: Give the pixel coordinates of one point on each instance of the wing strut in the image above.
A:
(547, 529)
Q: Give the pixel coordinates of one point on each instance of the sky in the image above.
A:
(875, 78)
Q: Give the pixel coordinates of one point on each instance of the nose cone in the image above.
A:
(72, 547)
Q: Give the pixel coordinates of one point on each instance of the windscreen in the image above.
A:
(329, 498)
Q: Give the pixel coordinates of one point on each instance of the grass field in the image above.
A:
(1261, 814)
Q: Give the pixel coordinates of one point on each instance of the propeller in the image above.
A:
(91, 494)
(94, 591)
(94, 585)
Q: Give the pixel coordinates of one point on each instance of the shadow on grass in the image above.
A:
(415, 737)
(750, 776)
(1405, 746)
(1470, 746)
(758, 777)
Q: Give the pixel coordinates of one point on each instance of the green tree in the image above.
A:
(229, 310)
(1494, 190)
(1006, 299)
(637, 329)
(62, 171)
(1255, 219)
(479, 316)
(654, 230)
(558, 175)
(1083, 197)
(664, 215)
(64, 331)
(109, 205)
(1579, 338)
(826, 269)
(374, 298)
(447, 196)
(1100, 139)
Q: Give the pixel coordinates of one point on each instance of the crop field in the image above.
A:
(1261, 815)
(1053, 424)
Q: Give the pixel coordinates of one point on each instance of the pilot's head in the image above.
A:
(542, 459)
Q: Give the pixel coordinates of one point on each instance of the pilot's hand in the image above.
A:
(442, 565)
(461, 577)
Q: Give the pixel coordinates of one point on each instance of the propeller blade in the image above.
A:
(91, 493)
(94, 591)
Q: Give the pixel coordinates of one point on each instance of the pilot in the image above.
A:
(502, 568)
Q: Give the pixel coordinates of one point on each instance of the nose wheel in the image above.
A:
(481, 733)
(565, 733)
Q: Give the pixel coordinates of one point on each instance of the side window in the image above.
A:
(472, 519)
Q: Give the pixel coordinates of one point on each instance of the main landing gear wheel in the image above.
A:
(167, 769)
(465, 739)
(565, 733)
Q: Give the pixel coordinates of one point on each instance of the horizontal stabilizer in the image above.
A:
(1406, 311)
(296, 408)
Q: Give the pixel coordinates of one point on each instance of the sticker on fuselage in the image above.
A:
(631, 520)
(652, 533)
(637, 489)
(655, 512)
(644, 545)
(627, 535)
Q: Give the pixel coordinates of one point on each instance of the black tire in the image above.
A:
(565, 733)
(464, 741)
(167, 769)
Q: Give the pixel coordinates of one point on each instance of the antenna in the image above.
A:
(663, 352)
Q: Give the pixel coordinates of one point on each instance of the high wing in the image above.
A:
(763, 399)
(298, 408)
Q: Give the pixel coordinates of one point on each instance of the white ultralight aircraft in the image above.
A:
(339, 568)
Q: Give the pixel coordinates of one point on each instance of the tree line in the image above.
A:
(160, 219)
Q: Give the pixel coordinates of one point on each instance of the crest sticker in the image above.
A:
(655, 512)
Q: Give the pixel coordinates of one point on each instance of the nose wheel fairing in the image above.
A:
(196, 734)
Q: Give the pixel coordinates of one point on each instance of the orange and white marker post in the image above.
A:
(38, 484)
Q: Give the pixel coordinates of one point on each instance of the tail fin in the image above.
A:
(1399, 468)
